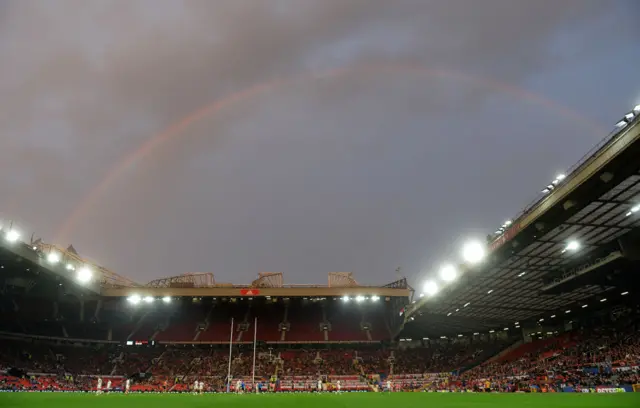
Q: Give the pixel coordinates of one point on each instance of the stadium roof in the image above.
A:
(573, 246)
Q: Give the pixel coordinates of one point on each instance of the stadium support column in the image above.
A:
(230, 352)
(255, 338)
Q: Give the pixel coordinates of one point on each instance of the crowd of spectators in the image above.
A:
(602, 354)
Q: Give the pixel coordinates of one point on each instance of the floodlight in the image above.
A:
(473, 252)
(636, 109)
(489, 291)
(624, 293)
(359, 298)
(507, 223)
(148, 299)
(12, 235)
(70, 267)
(572, 246)
(166, 299)
(84, 275)
(53, 257)
(567, 311)
(345, 298)
(375, 298)
(448, 273)
(621, 124)
(134, 299)
(560, 177)
(629, 116)
(431, 288)
(635, 208)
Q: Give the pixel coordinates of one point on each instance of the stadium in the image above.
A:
(548, 304)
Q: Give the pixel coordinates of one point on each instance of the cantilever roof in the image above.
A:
(513, 283)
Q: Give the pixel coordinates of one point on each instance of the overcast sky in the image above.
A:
(295, 136)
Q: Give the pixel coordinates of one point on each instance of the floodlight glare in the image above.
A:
(134, 299)
(53, 257)
(572, 246)
(359, 299)
(431, 288)
(84, 275)
(375, 298)
(70, 267)
(345, 298)
(448, 273)
(560, 177)
(473, 252)
(12, 235)
(148, 299)
(166, 299)
(636, 109)
(635, 208)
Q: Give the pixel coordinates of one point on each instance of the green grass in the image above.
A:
(368, 400)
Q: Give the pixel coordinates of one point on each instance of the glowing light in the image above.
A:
(84, 275)
(473, 252)
(375, 298)
(431, 288)
(53, 257)
(359, 299)
(12, 235)
(345, 298)
(166, 299)
(148, 299)
(134, 299)
(572, 246)
(448, 273)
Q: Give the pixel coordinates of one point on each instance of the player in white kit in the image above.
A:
(201, 387)
(389, 386)
(319, 385)
(99, 390)
(127, 384)
(238, 387)
(338, 386)
(108, 386)
(195, 386)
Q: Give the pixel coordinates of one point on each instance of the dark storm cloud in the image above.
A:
(352, 173)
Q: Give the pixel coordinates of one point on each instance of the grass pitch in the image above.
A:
(368, 400)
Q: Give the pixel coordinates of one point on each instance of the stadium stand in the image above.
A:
(549, 304)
